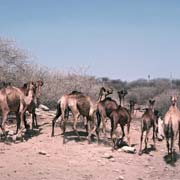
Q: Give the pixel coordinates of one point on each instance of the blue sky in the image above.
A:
(119, 39)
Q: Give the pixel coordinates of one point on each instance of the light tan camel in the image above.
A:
(78, 104)
(13, 100)
(35, 102)
(172, 126)
(149, 119)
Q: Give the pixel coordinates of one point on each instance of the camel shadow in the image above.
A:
(72, 136)
(28, 134)
(106, 141)
(171, 160)
(149, 149)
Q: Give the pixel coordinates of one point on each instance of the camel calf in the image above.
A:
(121, 116)
(149, 119)
(31, 108)
(172, 126)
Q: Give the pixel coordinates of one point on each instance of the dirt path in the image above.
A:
(42, 157)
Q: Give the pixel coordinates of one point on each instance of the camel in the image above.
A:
(172, 126)
(78, 104)
(13, 100)
(104, 109)
(148, 120)
(121, 116)
(35, 102)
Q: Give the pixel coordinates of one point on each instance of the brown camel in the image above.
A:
(104, 109)
(121, 116)
(35, 102)
(13, 100)
(78, 104)
(172, 126)
(149, 119)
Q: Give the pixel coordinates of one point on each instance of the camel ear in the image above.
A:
(151, 101)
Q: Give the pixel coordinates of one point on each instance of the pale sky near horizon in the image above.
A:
(117, 39)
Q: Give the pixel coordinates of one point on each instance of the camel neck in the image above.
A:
(121, 101)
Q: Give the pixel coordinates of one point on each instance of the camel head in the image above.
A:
(39, 84)
(122, 93)
(132, 103)
(151, 103)
(104, 93)
(173, 100)
(109, 91)
(31, 86)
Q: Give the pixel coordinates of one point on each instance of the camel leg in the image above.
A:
(95, 129)
(146, 139)
(128, 133)
(154, 136)
(58, 113)
(123, 133)
(89, 129)
(86, 124)
(113, 136)
(34, 119)
(18, 121)
(141, 140)
(179, 136)
(24, 120)
(75, 124)
(64, 131)
(166, 133)
(167, 144)
(65, 115)
(4, 118)
(98, 124)
(94, 125)
(104, 125)
(172, 147)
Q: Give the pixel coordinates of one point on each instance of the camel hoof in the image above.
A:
(27, 126)
(64, 141)
(140, 153)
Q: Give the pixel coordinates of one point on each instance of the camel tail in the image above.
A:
(58, 113)
(168, 130)
(58, 110)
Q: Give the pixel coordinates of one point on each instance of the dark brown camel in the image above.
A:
(172, 126)
(121, 116)
(149, 119)
(35, 102)
(104, 109)
(13, 100)
(78, 104)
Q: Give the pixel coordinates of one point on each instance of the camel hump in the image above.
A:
(75, 92)
(108, 98)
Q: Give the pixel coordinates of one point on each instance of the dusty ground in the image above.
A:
(42, 157)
